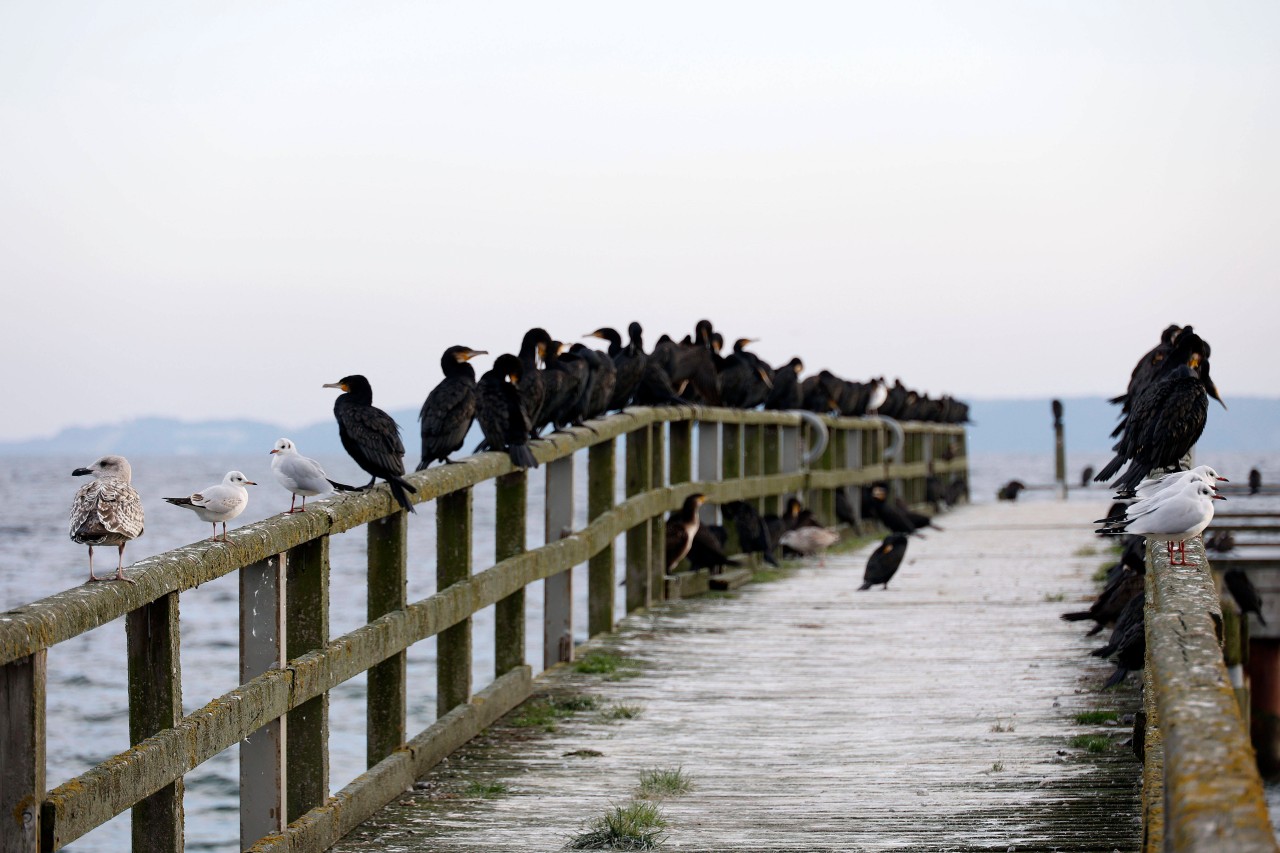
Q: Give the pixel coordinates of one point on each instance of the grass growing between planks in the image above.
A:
(1093, 718)
(543, 713)
(1091, 743)
(636, 826)
(621, 711)
(612, 667)
(485, 790)
(658, 783)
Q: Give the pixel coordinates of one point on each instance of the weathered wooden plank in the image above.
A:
(318, 829)
(601, 474)
(386, 698)
(307, 628)
(262, 648)
(557, 590)
(453, 566)
(1212, 790)
(22, 745)
(155, 704)
(509, 541)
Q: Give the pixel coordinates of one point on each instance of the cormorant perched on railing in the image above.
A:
(533, 388)
(628, 363)
(1255, 481)
(884, 561)
(743, 382)
(602, 377)
(1144, 372)
(500, 410)
(681, 528)
(564, 376)
(371, 436)
(1244, 592)
(821, 393)
(690, 363)
(786, 387)
(450, 408)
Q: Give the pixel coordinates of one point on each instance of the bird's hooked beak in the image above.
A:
(80, 472)
(1212, 390)
(467, 355)
(339, 385)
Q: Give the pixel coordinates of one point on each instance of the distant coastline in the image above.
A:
(999, 426)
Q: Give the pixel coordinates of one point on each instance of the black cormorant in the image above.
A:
(500, 410)
(707, 550)
(681, 527)
(533, 388)
(1107, 607)
(1255, 481)
(1128, 641)
(450, 408)
(371, 436)
(786, 387)
(628, 363)
(602, 378)
(1244, 592)
(884, 561)
(753, 533)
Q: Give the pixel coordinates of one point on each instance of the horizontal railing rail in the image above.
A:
(1202, 792)
(289, 663)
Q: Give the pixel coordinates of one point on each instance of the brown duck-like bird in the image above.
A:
(682, 526)
(371, 436)
(450, 408)
(106, 510)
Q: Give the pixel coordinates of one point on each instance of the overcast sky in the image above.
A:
(212, 209)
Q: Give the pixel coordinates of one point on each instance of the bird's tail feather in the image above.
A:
(1132, 477)
(1116, 677)
(865, 585)
(1077, 616)
(1109, 470)
(1105, 652)
(185, 502)
(343, 487)
(522, 456)
(398, 487)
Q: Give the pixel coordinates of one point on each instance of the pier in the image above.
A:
(952, 711)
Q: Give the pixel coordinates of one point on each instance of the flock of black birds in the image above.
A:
(1163, 414)
(550, 385)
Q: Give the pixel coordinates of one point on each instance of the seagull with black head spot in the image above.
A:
(371, 436)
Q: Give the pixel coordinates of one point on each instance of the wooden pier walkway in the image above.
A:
(940, 715)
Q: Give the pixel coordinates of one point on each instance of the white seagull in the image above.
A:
(1175, 515)
(222, 502)
(299, 474)
(1201, 473)
(106, 511)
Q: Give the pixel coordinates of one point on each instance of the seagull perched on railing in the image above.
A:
(300, 475)
(1174, 515)
(219, 503)
(106, 511)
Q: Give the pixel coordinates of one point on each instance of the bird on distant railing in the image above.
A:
(450, 408)
(371, 436)
(884, 561)
(219, 503)
(106, 510)
(1244, 592)
(1255, 481)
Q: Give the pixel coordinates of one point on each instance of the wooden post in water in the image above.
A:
(307, 628)
(262, 647)
(658, 528)
(638, 537)
(601, 472)
(708, 464)
(1059, 451)
(155, 704)
(22, 732)
(453, 565)
(386, 698)
(509, 540)
(557, 590)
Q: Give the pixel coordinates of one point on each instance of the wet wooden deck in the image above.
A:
(936, 716)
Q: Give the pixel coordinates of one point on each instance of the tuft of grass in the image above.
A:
(566, 705)
(997, 766)
(660, 783)
(622, 711)
(1091, 743)
(599, 663)
(1054, 597)
(1092, 718)
(999, 726)
(543, 713)
(485, 790)
(635, 826)
(768, 575)
(1085, 551)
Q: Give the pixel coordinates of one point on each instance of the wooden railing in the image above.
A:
(1201, 791)
(289, 663)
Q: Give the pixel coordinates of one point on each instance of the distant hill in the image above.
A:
(1012, 426)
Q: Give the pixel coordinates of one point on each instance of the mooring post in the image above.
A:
(510, 520)
(658, 529)
(306, 628)
(453, 565)
(1059, 451)
(601, 472)
(557, 590)
(708, 464)
(386, 698)
(262, 647)
(638, 539)
(22, 732)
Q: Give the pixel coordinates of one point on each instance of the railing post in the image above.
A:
(155, 704)
(601, 472)
(771, 464)
(680, 451)
(790, 463)
(453, 564)
(557, 590)
(262, 647)
(826, 498)
(753, 453)
(853, 463)
(638, 539)
(509, 540)
(658, 528)
(22, 738)
(388, 583)
(307, 628)
(708, 463)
